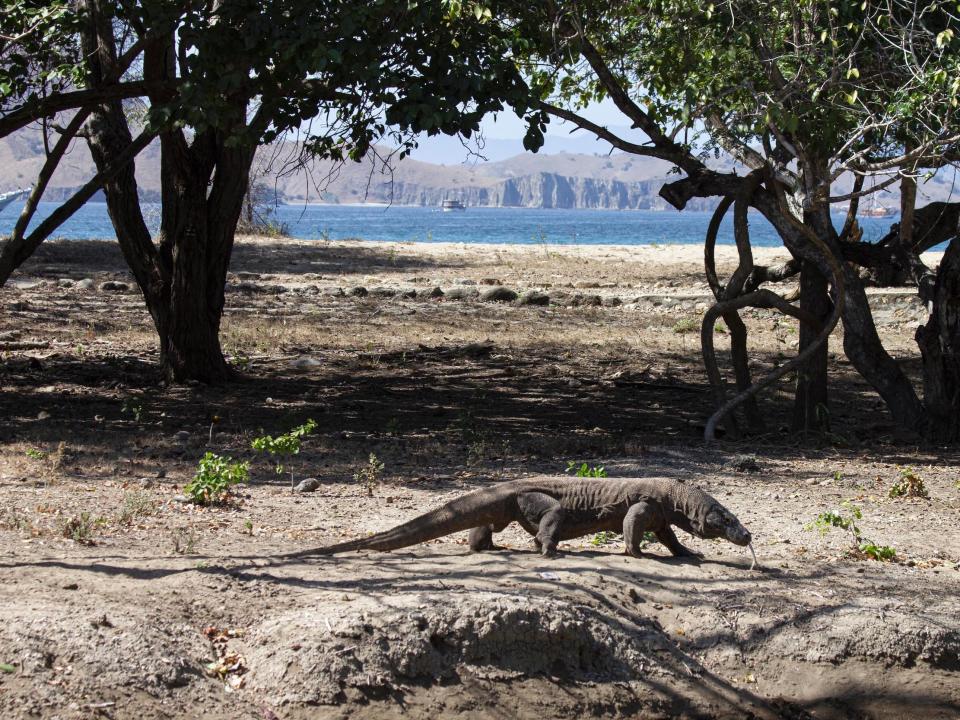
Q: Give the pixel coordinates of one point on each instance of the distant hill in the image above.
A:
(541, 180)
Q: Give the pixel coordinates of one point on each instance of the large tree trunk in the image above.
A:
(939, 342)
(811, 401)
(183, 276)
(197, 234)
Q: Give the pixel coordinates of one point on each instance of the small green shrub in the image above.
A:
(135, 504)
(81, 528)
(184, 543)
(909, 484)
(860, 545)
(35, 454)
(878, 552)
(134, 407)
(369, 475)
(214, 477)
(605, 537)
(584, 470)
(685, 325)
(284, 446)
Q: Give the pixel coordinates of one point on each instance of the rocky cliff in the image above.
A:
(537, 190)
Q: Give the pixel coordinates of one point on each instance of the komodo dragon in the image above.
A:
(560, 508)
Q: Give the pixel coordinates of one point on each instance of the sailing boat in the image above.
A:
(9, 197)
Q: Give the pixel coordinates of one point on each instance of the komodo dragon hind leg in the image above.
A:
(546, 513)
(676, 548)
(640, 518)
(481, 538)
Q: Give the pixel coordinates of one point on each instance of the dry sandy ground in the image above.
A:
(155, 608)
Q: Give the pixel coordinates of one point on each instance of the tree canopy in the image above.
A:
(820, 103)
(212, 80)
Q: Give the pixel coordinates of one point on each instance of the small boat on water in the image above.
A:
(879, 211)
(452, 205)
(8, 197)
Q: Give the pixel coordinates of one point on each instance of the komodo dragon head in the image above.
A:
(718, 522)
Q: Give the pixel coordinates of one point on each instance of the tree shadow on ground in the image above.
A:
(492, 405)
(81, 258)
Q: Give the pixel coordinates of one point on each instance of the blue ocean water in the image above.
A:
(474, 225)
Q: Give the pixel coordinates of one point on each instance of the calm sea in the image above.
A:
(474, 225)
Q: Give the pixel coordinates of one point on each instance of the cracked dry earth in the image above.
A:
(159, 609)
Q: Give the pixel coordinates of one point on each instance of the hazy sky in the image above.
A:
(503, 134)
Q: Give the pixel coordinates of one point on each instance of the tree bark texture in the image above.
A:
(939, 342)
(811, 403)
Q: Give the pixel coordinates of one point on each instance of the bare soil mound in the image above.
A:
(331, 651)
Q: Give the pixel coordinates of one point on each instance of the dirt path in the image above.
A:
(179, 611)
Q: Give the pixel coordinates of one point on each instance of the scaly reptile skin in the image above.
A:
(560, 508)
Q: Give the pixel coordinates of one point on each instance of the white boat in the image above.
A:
(452, 205)
(9, 197)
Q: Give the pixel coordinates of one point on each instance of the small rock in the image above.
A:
(409, 294)
(182, 437)
(85, 284)
(307, 485)
(436, 293)
(358, 291)
(10, 335)
(145, 482)
(70, 586)
(586, 301)
(533, 297)
(744, 463)
(491, 281)
(465, 281)
(114, 286)
(498, 294)
(586, 285)
(383, 292)
(305, 362)
(43, 415)
(66, 283)
(182, 499)
(612, 302)
(461, 293)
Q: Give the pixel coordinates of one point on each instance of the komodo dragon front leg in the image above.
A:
(645, 517)
(546, 514)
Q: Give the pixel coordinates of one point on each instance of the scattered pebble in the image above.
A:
(307, 485)
(743, 463)
(534, 297)
(498, 294)
(461, 293)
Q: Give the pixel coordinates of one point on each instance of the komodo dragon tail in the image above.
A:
(463, 513)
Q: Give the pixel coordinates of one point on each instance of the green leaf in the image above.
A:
(7, 668)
